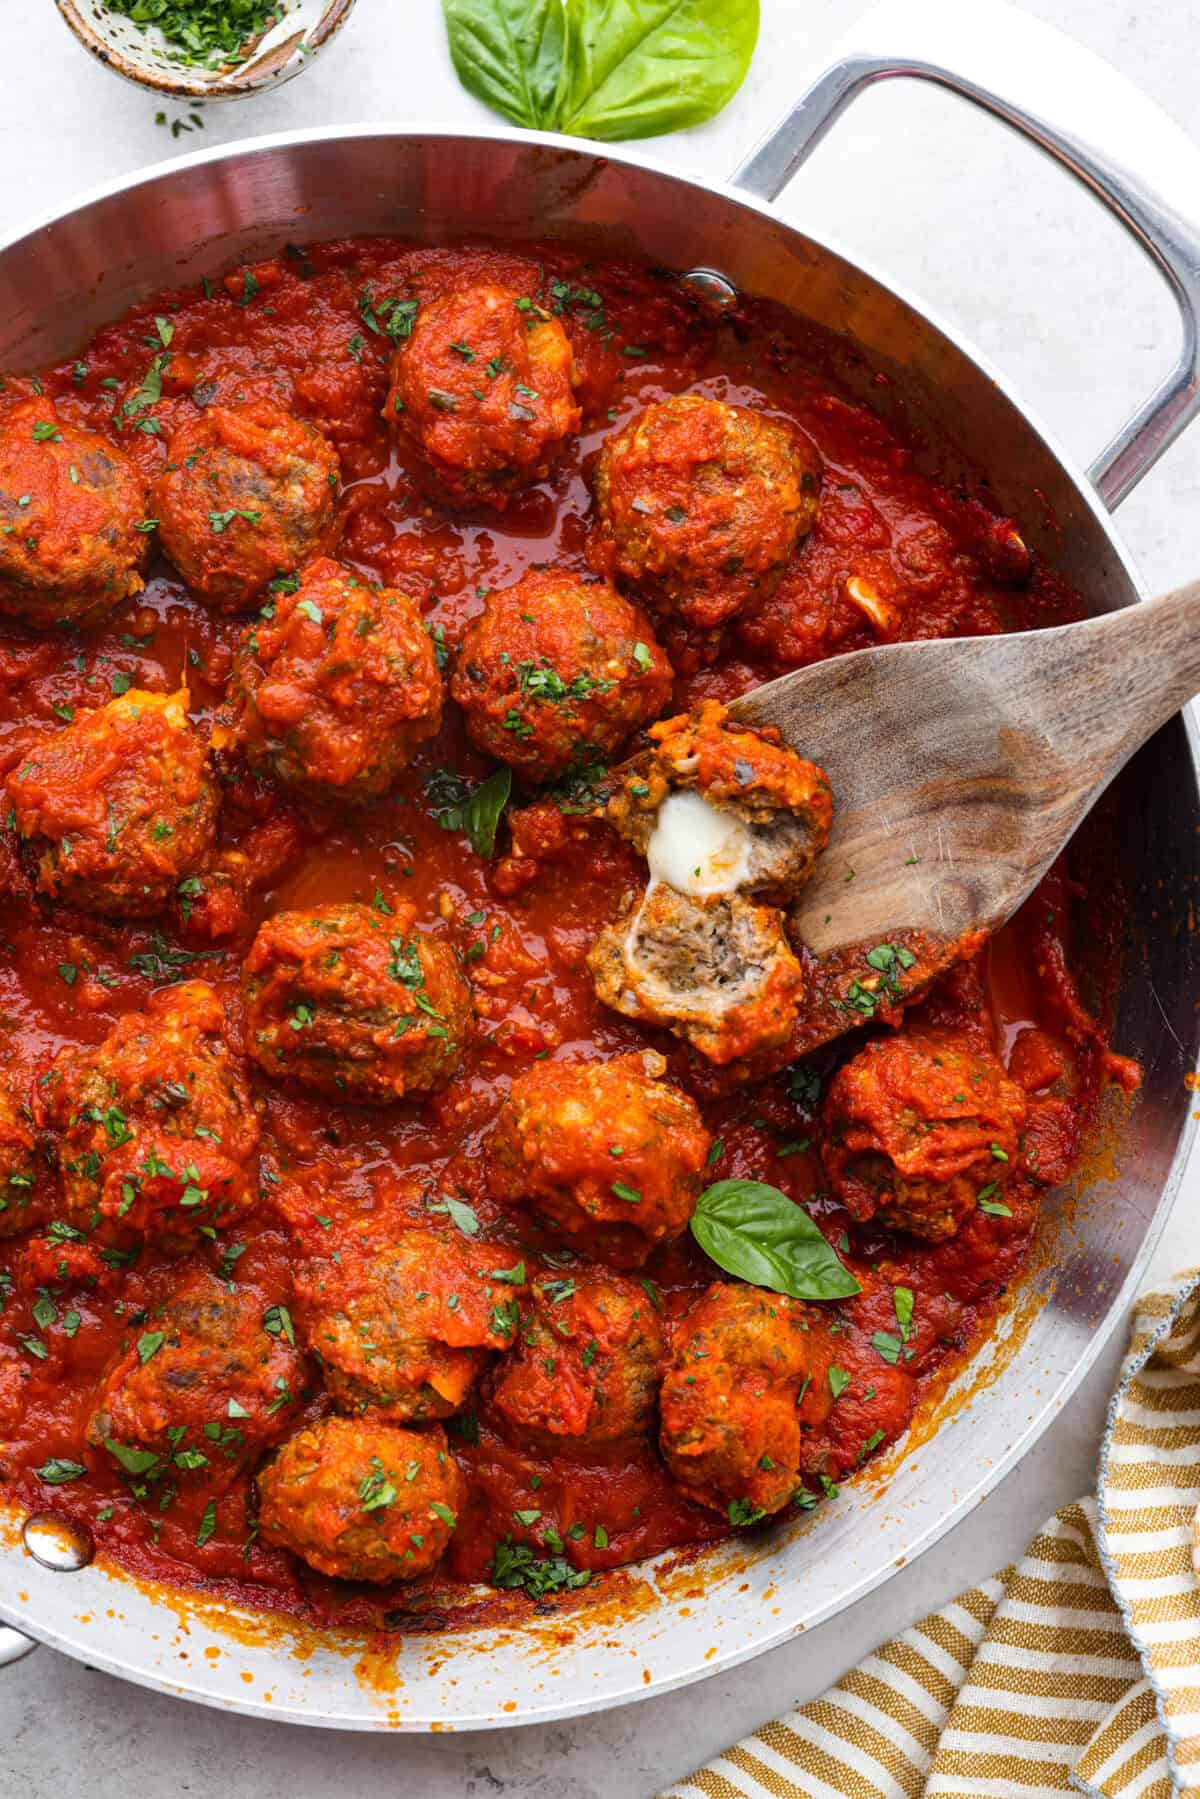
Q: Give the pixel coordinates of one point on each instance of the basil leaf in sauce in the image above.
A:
(509, 54)
(638, 68)
(603, 68)
(759, 1234)
(481, 814)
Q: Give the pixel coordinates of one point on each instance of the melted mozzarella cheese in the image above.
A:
(697, 849)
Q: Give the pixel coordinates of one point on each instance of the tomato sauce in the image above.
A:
(927, 562)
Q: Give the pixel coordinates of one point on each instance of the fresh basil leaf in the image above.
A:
(637, 68)
(759, 1234)
(509, 54)
(481, 814)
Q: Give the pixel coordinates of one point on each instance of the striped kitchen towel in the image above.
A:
(1077, 1671)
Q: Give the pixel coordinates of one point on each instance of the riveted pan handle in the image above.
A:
(1076, 107)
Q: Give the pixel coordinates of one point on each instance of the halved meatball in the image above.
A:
(403, 1329)
(700, 506)
(119, 807)
(207, 1383)
(19, 1204)
(921, 1131)
(719, 972)
(362, 1500)
(556, 672)
(730, 1433)
(333, 693)
(346, 1001)
(157, 1135)
(605, 1153)
(587, 1363)
(248, 493)
(772, 809)
(483, 393)
(70, 505)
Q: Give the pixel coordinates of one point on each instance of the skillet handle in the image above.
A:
(1069, 102)
(14, 1645)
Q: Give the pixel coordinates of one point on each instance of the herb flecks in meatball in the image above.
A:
(718, 972)
(349, 1002)
(70, 507)
(206, 1383)
(730, 1433)
(334, 691)
(586, 1367)
(606, 1153)
(358, 1499)
(700, 506)
(157, 1137)
(119, 807)
(248, 493)
(483, 394)
(403, 1329)
(19, 1199)
(921, 1131)
(555, 673)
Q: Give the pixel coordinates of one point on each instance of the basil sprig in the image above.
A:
(758, 1233)
(605, 69)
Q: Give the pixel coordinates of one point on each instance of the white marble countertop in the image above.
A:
(1010, 251)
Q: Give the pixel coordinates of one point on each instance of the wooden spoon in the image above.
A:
(961, 767)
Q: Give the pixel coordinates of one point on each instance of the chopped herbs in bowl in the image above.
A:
(206, 49)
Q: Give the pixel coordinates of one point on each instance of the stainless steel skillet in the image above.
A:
(72, 272)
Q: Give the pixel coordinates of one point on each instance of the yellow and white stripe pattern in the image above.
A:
(1077, 1671)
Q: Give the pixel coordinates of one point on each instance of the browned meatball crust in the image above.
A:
(605, 1152)
(483, 395)
(208, 1383)
(586, 1367)
(730, 1433)
(700, 506)
(248, 494)
(119, 808)
(403, 1329)
(921, 1131)
(555, 673)
(346, 1001)
(157, 1137)
(70, 507)
(332, 694)
(358, 1499)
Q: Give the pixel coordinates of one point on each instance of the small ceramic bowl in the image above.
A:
(303, 29)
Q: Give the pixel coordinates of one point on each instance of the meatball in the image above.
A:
(483, 391)
(921, 1131)
(157, 1136)
(362, 1500)
(605, 1152)
(248, 493)
(403, 1329)
(556, 672)
(586, 1366)
(730, 1433)
(207, 1382)
(700, 506)
(719, 972)
(347, 1002)
(717, 807)
(333, 693)
(18, 1166)
(120, 807)
(70, 507)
